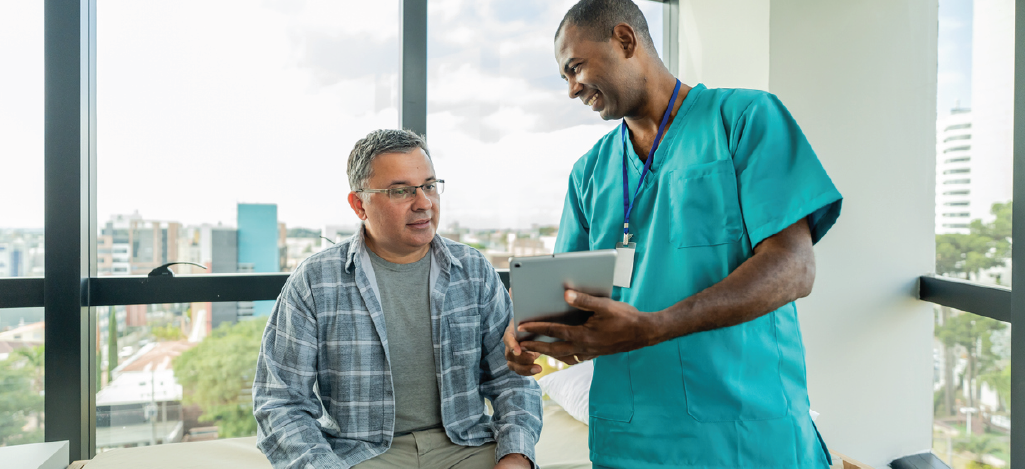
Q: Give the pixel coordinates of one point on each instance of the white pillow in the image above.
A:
(571, 388)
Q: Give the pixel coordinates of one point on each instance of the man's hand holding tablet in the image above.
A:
(554, 301)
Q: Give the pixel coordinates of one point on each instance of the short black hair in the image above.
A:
(598, 19)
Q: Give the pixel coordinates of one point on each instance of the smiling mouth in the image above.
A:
(594, 98)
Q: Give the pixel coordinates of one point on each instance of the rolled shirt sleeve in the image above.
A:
(516, 399)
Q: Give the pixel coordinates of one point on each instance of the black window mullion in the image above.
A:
(69, 165)
(413, 65)
(1018, 255)
(991, 301)
(21, 292)
(140, 289)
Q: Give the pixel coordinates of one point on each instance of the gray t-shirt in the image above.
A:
(406, 303)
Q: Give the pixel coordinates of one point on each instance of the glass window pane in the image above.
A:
(171, 373)
(234, 114)
(974, 178)
(21, 375)
(21, 139)
(972, 389)
(21, 218)
(974, 140)
(503, 133)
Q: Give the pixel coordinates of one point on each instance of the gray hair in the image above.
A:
(376, 143)
(598, 18)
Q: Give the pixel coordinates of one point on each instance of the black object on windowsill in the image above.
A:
(919, 461)
(164, 271)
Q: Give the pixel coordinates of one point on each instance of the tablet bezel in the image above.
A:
(539, 284)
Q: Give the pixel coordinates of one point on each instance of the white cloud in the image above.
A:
(516, 182)
(205, 104)
(21, 114)
(951, 78)
(948, 24)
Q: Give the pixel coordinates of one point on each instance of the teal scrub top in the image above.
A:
(732, 170)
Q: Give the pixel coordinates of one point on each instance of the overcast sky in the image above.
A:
(206, 103)
(954, 54)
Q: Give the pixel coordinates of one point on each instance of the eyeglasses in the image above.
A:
(397, 194)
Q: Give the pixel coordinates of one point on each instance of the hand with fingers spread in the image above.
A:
(615, 327)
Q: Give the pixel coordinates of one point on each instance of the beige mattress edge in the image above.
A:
(563, 445)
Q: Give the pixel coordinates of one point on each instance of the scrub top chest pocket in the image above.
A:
(705, 205)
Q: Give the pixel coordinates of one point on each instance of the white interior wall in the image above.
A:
(860, 78)
(715, 45)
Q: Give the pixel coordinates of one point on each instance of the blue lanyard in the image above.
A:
(628, 206)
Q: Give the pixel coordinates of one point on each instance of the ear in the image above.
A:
(357, 205)
(624, 38)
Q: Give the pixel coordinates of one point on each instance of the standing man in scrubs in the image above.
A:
(714, 198)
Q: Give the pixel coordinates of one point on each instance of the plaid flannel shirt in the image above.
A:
(323, 395)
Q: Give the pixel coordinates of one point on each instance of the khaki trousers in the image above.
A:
(431, 449)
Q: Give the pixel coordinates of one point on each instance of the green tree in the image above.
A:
(167, 333)
(1000, 381)
(111, 344)
(17, 402)
(973, 335)
(548, 230)
(978, 445)
(217, 375)
(99, 369)
(32, 359)
(302, 233)
(987, 245)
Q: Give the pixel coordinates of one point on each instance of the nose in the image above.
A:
(420, 201)
(574, 88)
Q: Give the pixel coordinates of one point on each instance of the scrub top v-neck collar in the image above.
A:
(636, 165)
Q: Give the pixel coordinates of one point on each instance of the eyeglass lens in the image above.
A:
(430, 189)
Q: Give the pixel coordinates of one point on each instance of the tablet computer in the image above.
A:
(539, 284)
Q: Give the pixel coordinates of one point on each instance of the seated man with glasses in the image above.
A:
(381, 350)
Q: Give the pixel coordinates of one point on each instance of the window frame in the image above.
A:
(1000, 303)
(70, 289)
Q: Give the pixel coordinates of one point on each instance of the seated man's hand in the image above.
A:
(615, 327)
(519, 360)
(514, 461)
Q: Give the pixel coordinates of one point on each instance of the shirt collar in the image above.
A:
(357, 243)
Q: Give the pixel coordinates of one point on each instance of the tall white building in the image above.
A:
(954, 175)
(974, 148)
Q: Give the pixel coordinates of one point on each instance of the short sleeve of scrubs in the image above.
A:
(779, 178)
(573, 227)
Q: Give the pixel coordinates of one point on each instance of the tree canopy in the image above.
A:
(18, 400)
(302, 233)
(217, 375)
(986, 245)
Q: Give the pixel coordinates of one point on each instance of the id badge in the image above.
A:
(624, 264)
